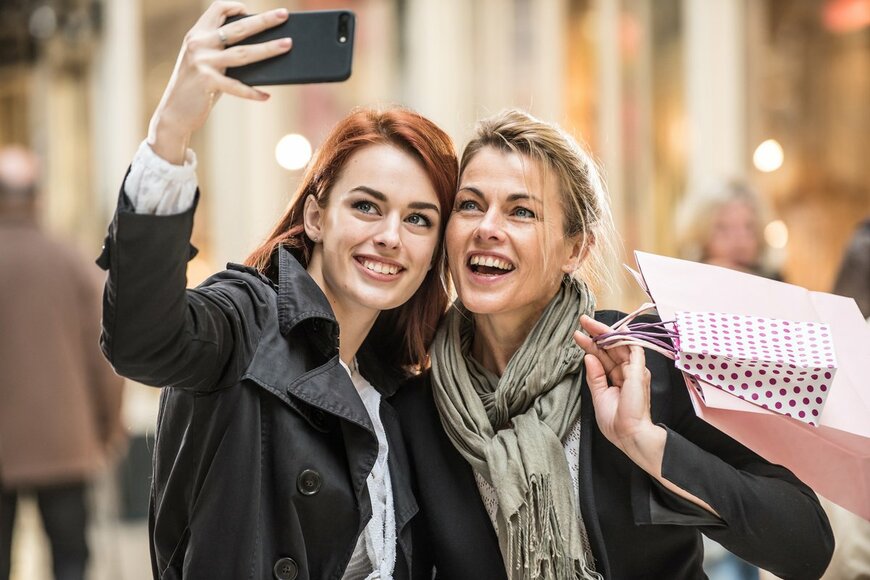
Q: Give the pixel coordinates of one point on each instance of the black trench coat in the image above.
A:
(637, 528)
(263, 444)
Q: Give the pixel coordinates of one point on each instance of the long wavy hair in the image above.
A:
(401, 336)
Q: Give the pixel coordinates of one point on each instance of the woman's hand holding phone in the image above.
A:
(199, 77)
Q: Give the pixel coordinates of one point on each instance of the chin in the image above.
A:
(481, 303)
(378, 301)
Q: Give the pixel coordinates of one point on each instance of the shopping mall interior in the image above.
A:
(669, 96)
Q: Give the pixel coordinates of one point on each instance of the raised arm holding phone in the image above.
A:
(276, 456)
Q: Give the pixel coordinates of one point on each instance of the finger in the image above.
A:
(238, 88)
(617, 355)
(635, 368)
(595, 376)
(589, 345)
(592, 326)
(248, 53)
(635, 389)
(241, 29)
(218, 12)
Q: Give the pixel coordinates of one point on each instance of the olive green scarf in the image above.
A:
(510, 430)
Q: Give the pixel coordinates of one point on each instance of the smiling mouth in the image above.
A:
(380, 267)
(489, 265)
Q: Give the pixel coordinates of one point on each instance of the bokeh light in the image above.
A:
(293, 151)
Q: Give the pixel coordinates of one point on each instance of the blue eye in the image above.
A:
(467, 205)
(525, 213)
(365, 206)
(419, 220)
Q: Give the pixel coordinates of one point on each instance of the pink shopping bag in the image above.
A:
(832, 457)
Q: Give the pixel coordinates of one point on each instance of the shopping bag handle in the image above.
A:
(657, 336)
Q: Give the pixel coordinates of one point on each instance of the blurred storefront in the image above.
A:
(668, 94)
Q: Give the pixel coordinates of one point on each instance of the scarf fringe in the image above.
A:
(547, 556)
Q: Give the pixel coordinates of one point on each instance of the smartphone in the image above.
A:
(322, 50)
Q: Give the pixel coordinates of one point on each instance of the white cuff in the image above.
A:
(157, 187)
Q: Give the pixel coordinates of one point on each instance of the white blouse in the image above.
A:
(375, 554)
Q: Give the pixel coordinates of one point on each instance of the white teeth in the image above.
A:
(380, 267)
(491, 262)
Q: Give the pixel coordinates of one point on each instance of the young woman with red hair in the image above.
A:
(275, 455)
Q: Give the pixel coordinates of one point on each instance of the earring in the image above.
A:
(315, 239)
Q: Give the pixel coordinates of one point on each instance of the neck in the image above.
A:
(497, 337)
(354, 321)
(354, 326)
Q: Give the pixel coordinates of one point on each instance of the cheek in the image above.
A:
(455, 239)
(421, 251)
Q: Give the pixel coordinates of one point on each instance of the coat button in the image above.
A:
(308, 482)
(318, 417)
(286, 569)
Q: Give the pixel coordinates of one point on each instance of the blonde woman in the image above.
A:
(538, 459)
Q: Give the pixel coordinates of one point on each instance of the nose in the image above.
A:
(491, 226)
(389, 235)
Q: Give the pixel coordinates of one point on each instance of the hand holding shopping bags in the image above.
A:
(799, 397)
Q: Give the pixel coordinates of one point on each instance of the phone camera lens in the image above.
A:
(343, 26)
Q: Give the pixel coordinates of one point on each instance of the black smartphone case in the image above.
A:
(317, 55)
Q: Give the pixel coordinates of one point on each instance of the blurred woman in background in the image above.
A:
(724, 226)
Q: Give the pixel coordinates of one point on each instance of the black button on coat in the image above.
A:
(263, 445)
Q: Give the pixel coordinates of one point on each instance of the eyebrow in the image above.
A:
(420, 205)
(511, 198)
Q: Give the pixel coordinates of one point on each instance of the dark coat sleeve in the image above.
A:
(767, 515)
(154, 330)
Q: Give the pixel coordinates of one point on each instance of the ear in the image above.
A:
(580, 246)
(312, 217)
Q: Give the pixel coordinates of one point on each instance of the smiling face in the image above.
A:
(505, 240)
(377, 234)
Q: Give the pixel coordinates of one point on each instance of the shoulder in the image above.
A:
(610, 317)
(413, 391)
(241, 290)
(413, 399)
(240, 280)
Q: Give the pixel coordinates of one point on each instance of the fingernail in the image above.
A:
(282, 13)
(285, 42)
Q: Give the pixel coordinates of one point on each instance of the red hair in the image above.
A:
(401, 336)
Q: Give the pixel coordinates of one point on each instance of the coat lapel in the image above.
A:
(588, 507)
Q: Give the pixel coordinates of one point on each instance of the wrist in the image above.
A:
(646, 448)
(167, 140)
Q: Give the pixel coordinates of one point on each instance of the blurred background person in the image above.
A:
(724, 226)
(851, 557)
(853, 279)
(60, 410)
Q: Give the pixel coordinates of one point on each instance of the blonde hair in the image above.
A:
(585, 203)
(698, 213)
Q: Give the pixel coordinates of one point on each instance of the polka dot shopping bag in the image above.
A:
(785, 366)
(781, 369)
